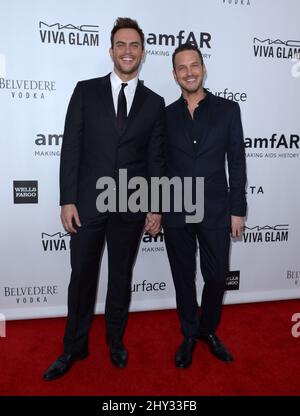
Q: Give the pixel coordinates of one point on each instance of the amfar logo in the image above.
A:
(25, 192)
(276, 48)
(145, 286)
(69, 34)
(232, 280)
(155, 242)
(55, 242)
(237, 2)
(293, 276)
(230, 95)
(276, 142)
(43, 141)
(266, 233)
(200, 40)
(26, 88)
(30, 294)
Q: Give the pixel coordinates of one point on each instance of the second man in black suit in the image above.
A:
(112, 123)
(202, 131)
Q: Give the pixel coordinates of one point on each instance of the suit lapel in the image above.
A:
(185, 140)
(138, 101)
(188, 140)
(108, 103)
(209, 123)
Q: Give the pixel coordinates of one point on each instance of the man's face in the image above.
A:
(127, 52)
(189, 72)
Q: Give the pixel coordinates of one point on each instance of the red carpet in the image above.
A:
(259, 336)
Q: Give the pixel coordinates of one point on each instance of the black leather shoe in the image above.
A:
(63, 364)
(118, 354)
(184, 354)
(217, 348)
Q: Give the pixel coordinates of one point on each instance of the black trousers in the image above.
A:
(181, 245)
(123, 238)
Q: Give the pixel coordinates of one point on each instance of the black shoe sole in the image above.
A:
(118, 364)
(80, 358)
(183, 365)
(202, 339)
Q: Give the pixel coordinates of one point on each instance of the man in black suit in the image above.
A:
(112, 123)
(202, 131)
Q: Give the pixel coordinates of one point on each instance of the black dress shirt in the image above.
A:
(195, 126)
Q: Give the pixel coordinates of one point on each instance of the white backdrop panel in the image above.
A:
(43, 42)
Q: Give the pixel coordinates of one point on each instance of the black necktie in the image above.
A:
(122, 109)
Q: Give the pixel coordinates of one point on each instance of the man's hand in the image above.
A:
(153, 223)
(68, 213)
(237, 226)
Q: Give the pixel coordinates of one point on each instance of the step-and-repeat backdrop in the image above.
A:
(251, 50)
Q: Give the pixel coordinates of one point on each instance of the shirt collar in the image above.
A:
(116, 82)
(204, 101)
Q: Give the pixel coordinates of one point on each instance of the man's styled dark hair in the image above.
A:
(186, 47)
(126, 23)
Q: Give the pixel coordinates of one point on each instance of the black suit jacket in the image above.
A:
(223, 137)
(92, 146)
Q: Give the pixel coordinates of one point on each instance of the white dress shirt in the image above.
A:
(129, 90)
